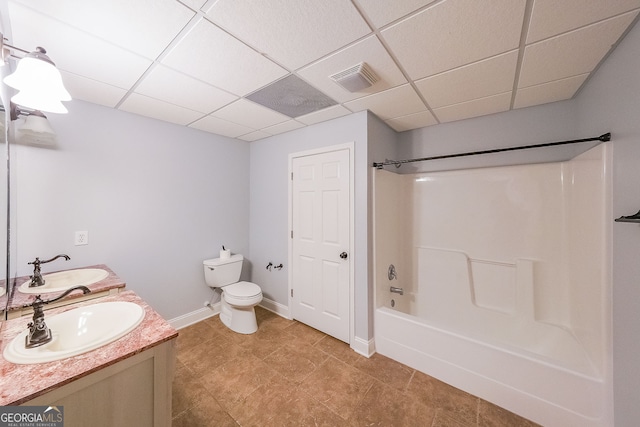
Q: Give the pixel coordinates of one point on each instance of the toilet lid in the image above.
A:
(243, 290)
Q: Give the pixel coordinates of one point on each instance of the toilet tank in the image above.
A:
(220, 272)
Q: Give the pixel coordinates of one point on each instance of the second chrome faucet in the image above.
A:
(36, 279)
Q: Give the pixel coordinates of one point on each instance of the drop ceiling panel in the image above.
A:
(548, 92)
(92, 90)
(220, 127)
(475, 108)
(171, 86)
(76, 51)
(131, 19)
(552, 17)
(283, 127)
(293, 33)
(324, 115)
(149, 107)
(572, 53)
(391, 103)
(249, 114)
(213, 56)
(380, 12)
(369, 50)
(455, 33)
(412, 121)
(478, 80)
(254, 136)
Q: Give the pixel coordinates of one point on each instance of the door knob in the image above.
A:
(343, 255)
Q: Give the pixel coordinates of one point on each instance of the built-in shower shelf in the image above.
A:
(630, 218)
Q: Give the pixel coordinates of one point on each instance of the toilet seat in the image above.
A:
(242, 294)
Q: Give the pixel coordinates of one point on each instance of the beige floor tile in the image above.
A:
(386, 406)
(207, 414)
(304, 334)
(337, 385)
(296, 361)
(232, 382)
(387, 370)
(452, 402)
(338, 349)
(289, 374)
(490, 415)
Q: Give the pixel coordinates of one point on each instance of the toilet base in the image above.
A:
(239, 319)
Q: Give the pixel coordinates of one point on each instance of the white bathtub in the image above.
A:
(507, 284)
(520, 381)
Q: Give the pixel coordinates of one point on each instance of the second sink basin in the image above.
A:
(78, 331)
(63, 280)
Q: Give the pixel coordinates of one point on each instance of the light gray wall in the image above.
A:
(526, 126)
(269, 202)
(156, 198)
(611, 101)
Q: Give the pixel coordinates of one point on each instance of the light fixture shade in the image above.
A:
(35, 129)
(39, 84)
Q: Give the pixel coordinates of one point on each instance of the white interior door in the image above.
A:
(321, 220)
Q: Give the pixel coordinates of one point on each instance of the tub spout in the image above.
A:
(395, 290)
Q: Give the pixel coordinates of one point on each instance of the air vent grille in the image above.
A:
(356, 78)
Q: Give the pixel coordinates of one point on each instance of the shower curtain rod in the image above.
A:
(603, 138)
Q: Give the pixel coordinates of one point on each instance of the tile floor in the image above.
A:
(288, 374)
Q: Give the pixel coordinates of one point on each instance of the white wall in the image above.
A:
(156, 199)
(611, 102)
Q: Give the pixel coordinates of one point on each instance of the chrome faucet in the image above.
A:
(39, 333)
(36, 279)
(395, 290)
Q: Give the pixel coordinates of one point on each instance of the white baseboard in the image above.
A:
(195, 316)
(364, 347)
(276, 307)
(206, 312)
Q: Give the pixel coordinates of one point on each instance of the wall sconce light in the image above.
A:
(37, 79)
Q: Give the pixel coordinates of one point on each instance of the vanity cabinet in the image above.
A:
(133, 392)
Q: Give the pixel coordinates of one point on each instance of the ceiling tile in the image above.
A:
(249, 114)
(75, 51)
(549, 92)
(292, 32)
(213, 56)
(573, 53)
(324, 115)
(475, 108)
(412, 121)
(477, 80)
(92, 90)
(171, 86)
(221, 127)
(122, 22)
(455, 33)
(254, 136)
(193, 4)
(369, 50)
(391, 103)
(149, 107)
(552, 17)
(381, 14)
(283, 127)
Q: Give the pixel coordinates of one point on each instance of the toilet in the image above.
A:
(238, 298)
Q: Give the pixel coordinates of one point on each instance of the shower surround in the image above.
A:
(506, 283)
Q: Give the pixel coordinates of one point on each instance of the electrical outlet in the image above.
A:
(82, 238)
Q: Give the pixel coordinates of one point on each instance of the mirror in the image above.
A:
(4, 226)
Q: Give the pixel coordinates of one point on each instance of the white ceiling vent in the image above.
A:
(356, 78)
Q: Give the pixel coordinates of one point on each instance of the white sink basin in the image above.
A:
(63, 280)
(77, 331)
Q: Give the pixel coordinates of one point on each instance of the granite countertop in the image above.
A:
(19, 299)
(21, 383)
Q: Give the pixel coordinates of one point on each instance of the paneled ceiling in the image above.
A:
(195, 62)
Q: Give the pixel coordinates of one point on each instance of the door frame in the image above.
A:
(350, 147)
